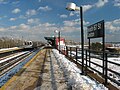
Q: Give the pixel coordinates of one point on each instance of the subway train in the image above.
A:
(30, 45)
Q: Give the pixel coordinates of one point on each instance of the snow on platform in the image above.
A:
(51, 71)
(78, 81)
(100, 62)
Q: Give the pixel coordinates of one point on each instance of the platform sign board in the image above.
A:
(96, 30)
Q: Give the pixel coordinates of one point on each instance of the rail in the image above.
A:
(8, 68)
(9, 64)
(93, 60)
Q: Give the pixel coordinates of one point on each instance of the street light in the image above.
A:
(56, 31)
(74, 7)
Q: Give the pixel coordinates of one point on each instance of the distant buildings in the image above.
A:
(113, 47)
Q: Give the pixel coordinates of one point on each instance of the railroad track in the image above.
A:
(11, 65)
(7, 65)
(10, 55)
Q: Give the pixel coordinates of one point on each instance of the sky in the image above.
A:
(36, 19)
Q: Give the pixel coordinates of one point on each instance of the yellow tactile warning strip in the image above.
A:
(41, 73)
(4, 87)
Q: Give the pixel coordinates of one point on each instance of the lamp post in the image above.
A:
(56, 31)
(73, 7)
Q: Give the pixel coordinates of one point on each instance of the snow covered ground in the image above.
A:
(110, 66)
(5, 49)
(18, 54)
(76, 80)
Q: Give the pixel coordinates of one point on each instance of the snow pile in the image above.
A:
(5, 49)
(75, 80)
(100, 62)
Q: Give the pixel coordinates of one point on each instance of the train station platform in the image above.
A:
(42, 72)
(46, 72)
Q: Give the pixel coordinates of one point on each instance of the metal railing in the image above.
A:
(93, 60)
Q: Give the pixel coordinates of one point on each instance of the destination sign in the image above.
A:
(96, 30)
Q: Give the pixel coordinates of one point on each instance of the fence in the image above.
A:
(108, 68)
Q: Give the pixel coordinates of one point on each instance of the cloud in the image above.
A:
(117, 3)
(68, 29)
(1, 17)
(113, 30)
(98, 4)
(69, 23)
(113, 26)
(117, 21)
(13, 27)
(22, 17)
(87, 7)
(31, 12)
(3, 2)
(15, 2)
(71, 14)
(2, 29)
(101, 3)
(12, 19)
(63, 16)
(33, 21)
(39, 0)
(85, 23)
(24, 26)
(75, 22)
(46, 8)
(39, 31)
(77, 13)
(48, 24)
(15, 11)
(28, 14)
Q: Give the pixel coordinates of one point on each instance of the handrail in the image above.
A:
(106, 70)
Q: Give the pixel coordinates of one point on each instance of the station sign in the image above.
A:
(95, 30)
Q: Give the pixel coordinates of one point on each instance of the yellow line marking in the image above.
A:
(15, 76)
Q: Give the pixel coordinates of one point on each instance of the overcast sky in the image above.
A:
(35, 19)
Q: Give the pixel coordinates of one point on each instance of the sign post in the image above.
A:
(97, 31)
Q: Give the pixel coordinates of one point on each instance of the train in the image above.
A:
(32, 44)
